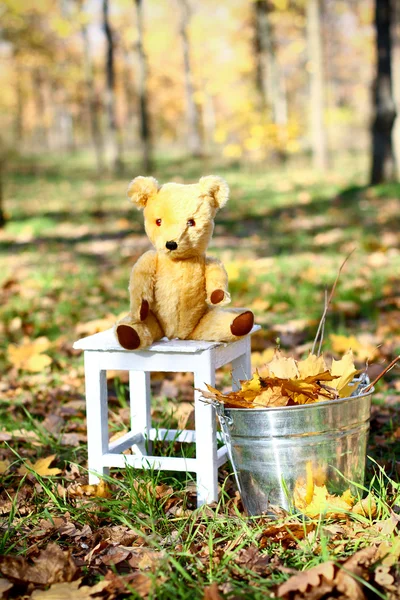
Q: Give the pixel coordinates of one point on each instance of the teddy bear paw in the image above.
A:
(128, 337)
(243, 324)
(217, 296)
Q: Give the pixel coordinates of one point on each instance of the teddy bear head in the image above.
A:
(179, 218)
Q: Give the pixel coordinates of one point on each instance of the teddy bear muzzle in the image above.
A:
(171, 245)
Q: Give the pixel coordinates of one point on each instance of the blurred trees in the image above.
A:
(317, 89)
(142, 78)
(383, 165)
(115, 139)
(192, 111)
(246, 80)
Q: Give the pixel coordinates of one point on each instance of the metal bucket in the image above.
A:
(271, 447)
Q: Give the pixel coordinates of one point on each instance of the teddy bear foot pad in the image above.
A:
(243, 324)
(127, 337)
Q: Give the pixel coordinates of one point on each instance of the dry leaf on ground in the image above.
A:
(70, 591)
(29, 356)
(285, 533)
(51, 566)
(319, 577)
(211, 592)
(328, 578)
(41, 467)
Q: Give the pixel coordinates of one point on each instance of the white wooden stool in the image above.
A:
(102, 352)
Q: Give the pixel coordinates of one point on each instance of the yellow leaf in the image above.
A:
(312, 365)
(4, 464)
(345, 371)
(28, 355)
(282, 367)
(363, 346)
(271, 397)
(41, 467)
(253, 384)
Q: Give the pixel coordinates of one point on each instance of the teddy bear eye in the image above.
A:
(191, 223)
(158, 222)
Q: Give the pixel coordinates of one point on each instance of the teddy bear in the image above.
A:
(176, 290)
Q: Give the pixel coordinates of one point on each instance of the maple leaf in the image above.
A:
(344, 371)
(311, 366)
(41, 467)
(282, 367)
(29, 356)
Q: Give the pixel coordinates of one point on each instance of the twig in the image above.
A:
(323, 324)
(327, 304)
(388, 368)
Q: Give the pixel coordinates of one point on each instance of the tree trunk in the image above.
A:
(383, 166)
(315, 60)
(19, 113)
(92, 104)
(42, 132)
(395, 38)
(192, 110)
(144, 119)
(270, 83)
(114, 133)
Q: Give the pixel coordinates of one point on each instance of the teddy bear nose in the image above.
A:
(171, 245)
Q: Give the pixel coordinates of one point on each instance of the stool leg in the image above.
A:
(241, 366)
(96, 416)
(140, 402)
(206, 439)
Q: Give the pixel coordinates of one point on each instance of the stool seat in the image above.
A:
(102, 352)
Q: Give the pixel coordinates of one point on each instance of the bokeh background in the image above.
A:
(292, 101)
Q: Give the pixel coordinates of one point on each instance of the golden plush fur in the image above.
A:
(176, 290)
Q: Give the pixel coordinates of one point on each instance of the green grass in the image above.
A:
(65, 258)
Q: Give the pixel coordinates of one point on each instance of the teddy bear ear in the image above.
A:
(216, 188)
(141, 189)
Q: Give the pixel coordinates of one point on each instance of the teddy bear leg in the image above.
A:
(134, 335)
(223, 325)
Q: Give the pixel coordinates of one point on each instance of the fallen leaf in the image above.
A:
(211, 592)
(285, 533)
(4, 465)
(52, 565)
(320, 577)
(366, 507)
(29, 356)
(353, 570)
(100, 490)
(41, 467)
(70, 591)
(5, 585)
(363, 347)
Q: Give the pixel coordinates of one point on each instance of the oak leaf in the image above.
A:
(320, 577)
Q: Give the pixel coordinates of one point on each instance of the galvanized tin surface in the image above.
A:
(270, 448)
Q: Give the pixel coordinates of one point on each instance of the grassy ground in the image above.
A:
(65, 259)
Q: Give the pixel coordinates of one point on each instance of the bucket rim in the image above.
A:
(301, 406)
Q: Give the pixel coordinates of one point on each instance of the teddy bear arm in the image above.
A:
(141, 286)
(216, 283)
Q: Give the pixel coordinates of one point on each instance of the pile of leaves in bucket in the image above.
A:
(287, 382)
